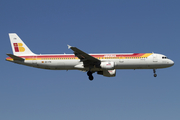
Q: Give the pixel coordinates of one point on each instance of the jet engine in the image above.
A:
(107, 65)
(107, 73)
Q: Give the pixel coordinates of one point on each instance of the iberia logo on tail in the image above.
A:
(18, 47)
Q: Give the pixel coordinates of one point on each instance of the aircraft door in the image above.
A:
(155, 59)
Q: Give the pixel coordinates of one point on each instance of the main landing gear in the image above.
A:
(89, 73)
(154, 71)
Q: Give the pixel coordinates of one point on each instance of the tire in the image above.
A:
(91, 77)
(155, 75)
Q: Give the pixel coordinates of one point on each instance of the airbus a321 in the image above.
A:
(103, 64)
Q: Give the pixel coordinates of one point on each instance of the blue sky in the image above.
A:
(102, 26)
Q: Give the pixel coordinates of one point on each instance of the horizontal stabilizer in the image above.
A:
(15, 57)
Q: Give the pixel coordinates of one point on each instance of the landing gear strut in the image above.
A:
(89, 73)
(154, 71)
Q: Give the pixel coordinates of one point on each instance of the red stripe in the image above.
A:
(72, 56)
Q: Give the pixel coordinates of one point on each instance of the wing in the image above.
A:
(88, 60)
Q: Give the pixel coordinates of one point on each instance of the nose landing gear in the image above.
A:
(154, 71)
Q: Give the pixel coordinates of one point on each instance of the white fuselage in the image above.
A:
(67, 62)
(103, 64)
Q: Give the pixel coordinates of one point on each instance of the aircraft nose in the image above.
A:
(171, 62)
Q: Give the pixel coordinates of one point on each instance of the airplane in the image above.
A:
(103, 64)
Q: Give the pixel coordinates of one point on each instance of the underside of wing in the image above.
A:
(88, 60)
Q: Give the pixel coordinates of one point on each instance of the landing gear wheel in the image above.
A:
(91, 77)
(155, 75)
(89, 73)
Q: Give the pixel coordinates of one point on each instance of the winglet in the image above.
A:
(69, 46)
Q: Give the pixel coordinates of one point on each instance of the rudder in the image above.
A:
(18, 46)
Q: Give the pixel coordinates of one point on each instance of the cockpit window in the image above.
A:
(164, 58)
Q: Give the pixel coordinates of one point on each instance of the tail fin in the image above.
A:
(18, 46)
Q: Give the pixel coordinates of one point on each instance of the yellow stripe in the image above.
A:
(9, 59)
(147, 55)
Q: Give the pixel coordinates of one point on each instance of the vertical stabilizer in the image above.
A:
(18, 46)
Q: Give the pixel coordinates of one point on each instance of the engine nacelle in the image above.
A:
(107, 65)
(107, 73)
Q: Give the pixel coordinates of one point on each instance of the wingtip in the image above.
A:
(69, 46)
